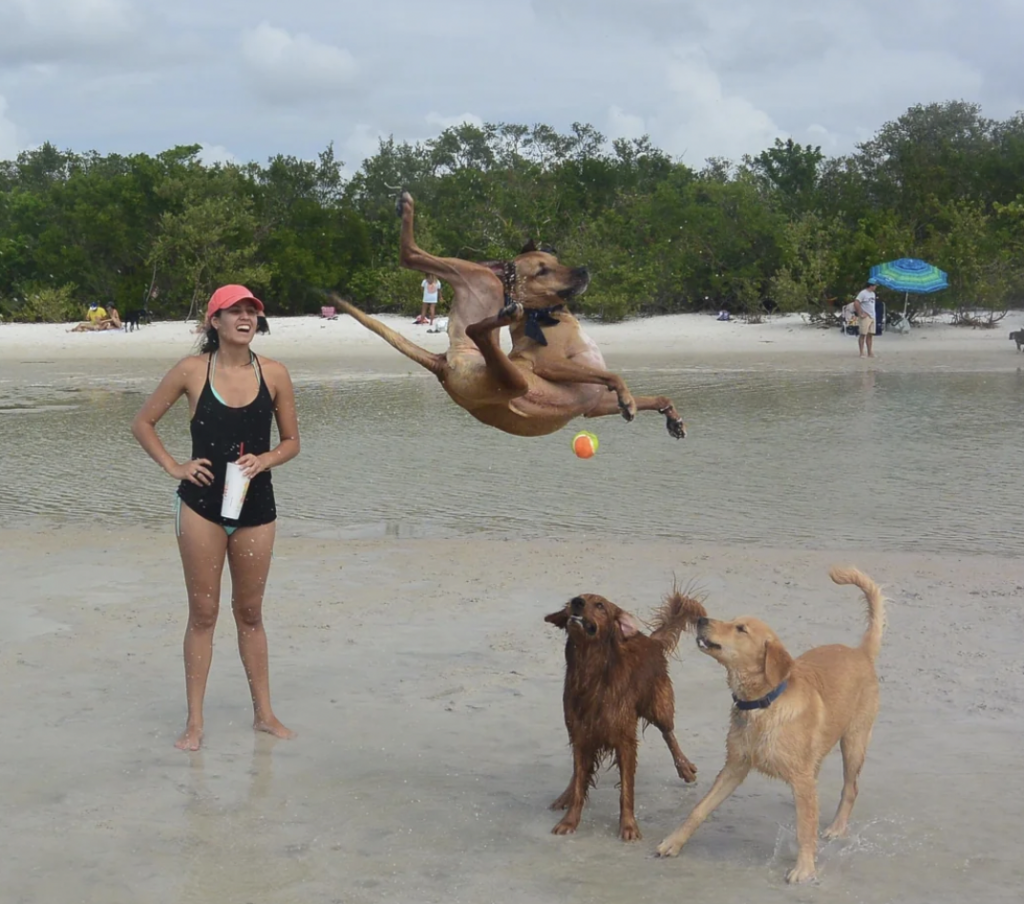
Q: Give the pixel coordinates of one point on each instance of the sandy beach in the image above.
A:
(687, 338)
(426, 688)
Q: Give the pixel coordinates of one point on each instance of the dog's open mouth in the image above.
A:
(705, 644)
(589, 627)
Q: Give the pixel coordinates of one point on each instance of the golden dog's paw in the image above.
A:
(627, 405)
(668, 848)
(676, 427)
(404, 200)
(565, 828)
(799, 874)
(834, 831)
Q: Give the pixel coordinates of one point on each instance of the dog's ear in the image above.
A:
(559, 619)
(531, 245)
(777, 663)
(627, 624)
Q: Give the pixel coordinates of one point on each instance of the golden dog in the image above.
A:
(554, 372)
(789, 713)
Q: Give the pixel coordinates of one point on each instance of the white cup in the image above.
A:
(236, 485)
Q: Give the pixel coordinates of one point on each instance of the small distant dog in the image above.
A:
(789, 713)
(133, 320)
(1018, 337)
(262, 326)
(614, 676)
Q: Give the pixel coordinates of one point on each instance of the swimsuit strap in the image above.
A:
(253, 360)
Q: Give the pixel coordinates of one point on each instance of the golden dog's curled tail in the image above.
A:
(679, 612)
(872, 640)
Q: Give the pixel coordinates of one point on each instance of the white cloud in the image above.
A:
(9, 144)
(624, 125)
(702, 119)
(362, 142)
(289, 69)
(701, 77)
(215, 153)
(44, 31)
(448, 122)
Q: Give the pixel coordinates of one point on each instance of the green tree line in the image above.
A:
(789, 228)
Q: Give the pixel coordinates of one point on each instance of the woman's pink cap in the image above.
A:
(226, 296)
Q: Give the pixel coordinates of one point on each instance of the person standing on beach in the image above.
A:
(431, 296)
(864, 305)
(233, 396)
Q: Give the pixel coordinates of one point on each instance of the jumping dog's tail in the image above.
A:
(430, 360)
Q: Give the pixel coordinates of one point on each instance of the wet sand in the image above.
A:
(425, 688)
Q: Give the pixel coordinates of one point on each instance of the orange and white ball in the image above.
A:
(584, 444)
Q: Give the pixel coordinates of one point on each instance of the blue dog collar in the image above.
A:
(761, 702)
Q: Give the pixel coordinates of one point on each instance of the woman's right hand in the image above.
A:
(196, 471)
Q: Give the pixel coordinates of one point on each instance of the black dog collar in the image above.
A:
(761, 702)
(538, 318)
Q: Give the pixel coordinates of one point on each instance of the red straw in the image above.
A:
(241, 449)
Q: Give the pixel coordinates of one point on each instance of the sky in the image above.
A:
(703, 78)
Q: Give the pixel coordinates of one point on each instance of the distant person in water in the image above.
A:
(234, 397)
(864, 305)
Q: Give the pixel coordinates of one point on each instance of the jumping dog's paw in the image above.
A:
(627, 406)
(512, 312)
(676, 427)
(403, 199)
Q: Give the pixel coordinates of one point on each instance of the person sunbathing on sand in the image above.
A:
(96, 319)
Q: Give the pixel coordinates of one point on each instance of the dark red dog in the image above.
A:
(616, 675)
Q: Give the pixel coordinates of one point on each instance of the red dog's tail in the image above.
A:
(678, 613)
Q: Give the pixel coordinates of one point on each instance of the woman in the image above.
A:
(233, 396)
(431, 296)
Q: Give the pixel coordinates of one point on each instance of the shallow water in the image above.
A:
(906, 461)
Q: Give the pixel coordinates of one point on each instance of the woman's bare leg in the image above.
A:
(202, 545)
(249, 554)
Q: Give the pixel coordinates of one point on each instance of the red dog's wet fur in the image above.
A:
(615, 676)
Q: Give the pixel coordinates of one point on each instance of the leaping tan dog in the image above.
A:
(554, 372)
(789, 713)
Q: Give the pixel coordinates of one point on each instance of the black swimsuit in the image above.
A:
(218, 434)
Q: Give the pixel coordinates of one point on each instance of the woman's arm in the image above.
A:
(172, 387)
(287, 426)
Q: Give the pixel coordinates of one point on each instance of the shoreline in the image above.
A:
(677, 339)
(427, 701)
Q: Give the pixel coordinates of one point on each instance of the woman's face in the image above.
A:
(236, 324)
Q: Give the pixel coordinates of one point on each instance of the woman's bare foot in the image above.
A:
(190, 738)
(273, 726)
